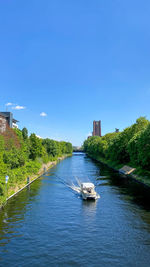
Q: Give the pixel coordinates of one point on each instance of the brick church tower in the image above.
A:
(96, 128)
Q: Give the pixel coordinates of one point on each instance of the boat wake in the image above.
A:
(75, 185)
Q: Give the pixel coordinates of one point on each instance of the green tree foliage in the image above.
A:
(139, 148)
(25, 133)
(144, 148)
(67, 148)
(2, 164)
(35, 146)
(63, 147)
(52, 147)
(14, 158)
(55, 148)
(130, 145)
(98, 145)
(19, 134)
(118, 149)
(21, 155)
(3, 167)
(2, 146)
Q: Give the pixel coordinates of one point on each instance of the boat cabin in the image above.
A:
(89, 187)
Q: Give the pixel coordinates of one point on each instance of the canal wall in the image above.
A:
(138, 179)
(45, 167)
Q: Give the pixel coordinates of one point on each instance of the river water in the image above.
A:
(49, 224)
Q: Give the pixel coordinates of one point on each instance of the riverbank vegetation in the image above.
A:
(22, 156)
(129, 147)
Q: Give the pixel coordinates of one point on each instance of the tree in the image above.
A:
(35, 146)
(124, 146)
(52, 147)
(3, 166)
(25, 133)
(14, 158)
(143, 148)
(119, 150)
(68, 148)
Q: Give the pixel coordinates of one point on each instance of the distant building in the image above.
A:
(77, 149)
(7, 118)
(96, 128)
(116, 130)
(3, 123)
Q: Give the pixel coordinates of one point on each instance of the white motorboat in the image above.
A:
(88, 191)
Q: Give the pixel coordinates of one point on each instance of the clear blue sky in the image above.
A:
(77, 61)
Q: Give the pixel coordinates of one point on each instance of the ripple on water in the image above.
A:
(48, 225)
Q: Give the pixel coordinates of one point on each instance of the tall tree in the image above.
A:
(35, 146)
(25, 133)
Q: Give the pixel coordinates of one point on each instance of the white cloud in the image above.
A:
(43, 114)
(18, 107)
(14, 106)
(38, 136)
(9, 104)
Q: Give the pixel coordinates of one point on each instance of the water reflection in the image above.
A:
(50, 226)
(13, 214)
(89, 207)
(128, 188)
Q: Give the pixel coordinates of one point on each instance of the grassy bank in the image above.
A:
(18, 179)
(23, 156)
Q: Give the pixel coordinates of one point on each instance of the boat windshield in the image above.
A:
(87, 186)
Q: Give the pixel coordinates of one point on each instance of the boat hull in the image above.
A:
(89, 197)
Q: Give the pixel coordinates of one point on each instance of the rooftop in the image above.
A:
(7, 115)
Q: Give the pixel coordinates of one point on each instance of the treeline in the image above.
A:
(21, 156)
(131, 146)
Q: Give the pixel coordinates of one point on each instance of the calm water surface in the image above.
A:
(50, 225)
